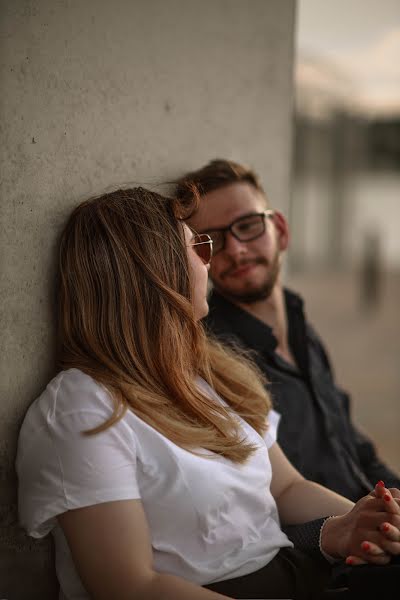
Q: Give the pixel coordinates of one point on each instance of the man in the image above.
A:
(249, 305)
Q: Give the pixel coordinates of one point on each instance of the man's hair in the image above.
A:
(216, 174)
(126, 319)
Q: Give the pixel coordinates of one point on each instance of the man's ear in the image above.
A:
(282, 229)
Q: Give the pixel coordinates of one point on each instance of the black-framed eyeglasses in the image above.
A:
(244, 229)
(203, 246)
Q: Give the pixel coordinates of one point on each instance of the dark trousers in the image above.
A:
(291, 574)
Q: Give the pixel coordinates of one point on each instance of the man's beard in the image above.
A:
(262, 292)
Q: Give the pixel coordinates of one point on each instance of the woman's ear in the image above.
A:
(282, 229)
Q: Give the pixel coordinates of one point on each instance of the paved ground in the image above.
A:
(364, 348)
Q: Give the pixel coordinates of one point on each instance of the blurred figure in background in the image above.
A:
(250, 307)
(371, 272)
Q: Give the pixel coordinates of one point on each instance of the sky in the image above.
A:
(361, 39)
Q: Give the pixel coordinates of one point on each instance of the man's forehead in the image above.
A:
(224, 205)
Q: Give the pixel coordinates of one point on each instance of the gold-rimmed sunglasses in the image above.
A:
(203, 246)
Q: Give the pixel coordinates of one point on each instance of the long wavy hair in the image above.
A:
(126, 319)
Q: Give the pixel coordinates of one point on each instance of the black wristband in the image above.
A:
(306, 536)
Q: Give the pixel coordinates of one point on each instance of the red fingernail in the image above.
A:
(381, 483)
(349, 561)
(386, 527)
(386, 497)
(365, 546)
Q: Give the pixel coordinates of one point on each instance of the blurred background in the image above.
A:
(345, 202)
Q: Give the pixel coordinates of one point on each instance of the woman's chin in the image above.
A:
(201, 311)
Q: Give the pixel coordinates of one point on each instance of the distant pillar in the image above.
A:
(339, 175)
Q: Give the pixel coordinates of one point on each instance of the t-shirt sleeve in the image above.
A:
(271, 434)
(60, 468)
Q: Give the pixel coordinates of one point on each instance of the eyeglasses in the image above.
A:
(203, 246)
(244, 229)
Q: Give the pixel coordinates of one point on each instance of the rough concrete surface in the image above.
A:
(97, 94)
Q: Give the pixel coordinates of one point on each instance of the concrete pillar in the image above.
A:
(97, 94)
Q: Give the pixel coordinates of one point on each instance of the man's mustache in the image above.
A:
(244, 263)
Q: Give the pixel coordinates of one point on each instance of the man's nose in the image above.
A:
(233, 246)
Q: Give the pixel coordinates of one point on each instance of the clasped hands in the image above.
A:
(369, 532)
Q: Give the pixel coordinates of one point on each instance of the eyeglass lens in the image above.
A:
(244, 229)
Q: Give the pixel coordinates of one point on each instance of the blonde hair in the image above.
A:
(126, 319)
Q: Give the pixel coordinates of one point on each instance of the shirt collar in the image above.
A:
(252, 331)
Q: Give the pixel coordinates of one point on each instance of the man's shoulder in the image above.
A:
(226, 315)
(219, 326)
(232, 324)
(224, 320)
(295, 308)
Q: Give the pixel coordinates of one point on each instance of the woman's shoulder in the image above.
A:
(70, 391)
(74, 389)
(59, 467)
(71, 404)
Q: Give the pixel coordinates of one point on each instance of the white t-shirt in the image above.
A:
(210, 519)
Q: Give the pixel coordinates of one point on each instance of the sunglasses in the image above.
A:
(203, 246)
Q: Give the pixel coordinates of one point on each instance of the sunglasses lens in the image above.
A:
(218, 240)
(203, 250)
(203, 247)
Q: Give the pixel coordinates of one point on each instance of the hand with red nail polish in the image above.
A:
(368, 533)
(354, 561)
(391, 504)
(370, 549)
(390, 531)
(389, 496)
(380, 490)
(365, 546)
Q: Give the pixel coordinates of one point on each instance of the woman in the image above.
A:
(149, 456)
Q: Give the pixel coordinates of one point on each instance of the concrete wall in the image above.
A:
(99, 93)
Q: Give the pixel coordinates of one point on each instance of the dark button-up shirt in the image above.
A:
(315, 432)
